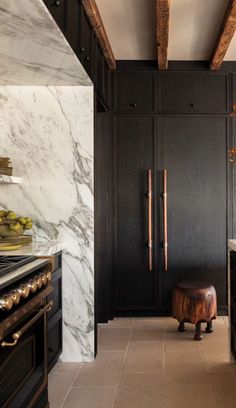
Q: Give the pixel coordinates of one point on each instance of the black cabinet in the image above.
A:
(193, 150)
(232, 300)
(134, 92)
(198, 92)
(55, 314)
(58, 9)
(73, 24)
(86, 45)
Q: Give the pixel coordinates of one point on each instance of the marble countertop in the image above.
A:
(37, 248)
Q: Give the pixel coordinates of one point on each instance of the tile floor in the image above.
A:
(146, 363)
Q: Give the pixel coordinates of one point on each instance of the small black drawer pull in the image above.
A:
(50, 349)
(133, 105)
(81, 49)
(87, 58)
(191, 105)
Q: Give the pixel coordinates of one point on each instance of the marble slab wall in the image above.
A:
(48, 133)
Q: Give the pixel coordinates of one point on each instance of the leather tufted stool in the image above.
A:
(195, 302)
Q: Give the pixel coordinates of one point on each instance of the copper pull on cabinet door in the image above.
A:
(165, 220)
(149, 197)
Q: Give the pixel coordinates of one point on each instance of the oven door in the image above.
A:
(23, 362)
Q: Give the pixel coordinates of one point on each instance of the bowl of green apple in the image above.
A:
(12, 225)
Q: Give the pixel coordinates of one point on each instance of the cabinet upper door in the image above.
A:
(57, 9)
(86, 50)
(73, 24)
(198, 92)
(134, 92)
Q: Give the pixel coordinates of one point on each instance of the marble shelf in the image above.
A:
(9, 179)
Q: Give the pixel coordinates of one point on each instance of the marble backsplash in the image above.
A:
(48, 133)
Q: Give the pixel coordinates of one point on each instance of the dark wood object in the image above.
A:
(195, 302)
(225, 36)
(97, 24)
(163, 16)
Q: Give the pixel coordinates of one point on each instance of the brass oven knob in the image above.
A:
(49, 276)
(39, 281)
(6, 302)
(32, 285)
(15, 295)
(44, 278)
(23, 290)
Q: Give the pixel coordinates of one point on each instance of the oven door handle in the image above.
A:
(17, 335)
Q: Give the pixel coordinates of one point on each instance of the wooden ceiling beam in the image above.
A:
(163, 17)
(97, 24)
(225, 36)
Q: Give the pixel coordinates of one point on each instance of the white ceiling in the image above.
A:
(194, 25)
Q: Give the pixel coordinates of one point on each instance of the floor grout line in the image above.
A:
(121, 371)
(70, 388)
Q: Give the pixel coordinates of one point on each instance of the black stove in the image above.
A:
(11, 263)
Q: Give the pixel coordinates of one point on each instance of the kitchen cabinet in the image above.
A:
(188, 92)
(193, 150)
(58, 10)
(55, 314)
(73, 24)
(134, 92)
(86, 46)
(154, 128)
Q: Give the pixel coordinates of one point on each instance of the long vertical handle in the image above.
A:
(149, 196)
(165, 220)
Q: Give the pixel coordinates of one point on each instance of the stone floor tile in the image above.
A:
(106, 370)
(114, 339)
(59, 385)
(140, 391)
(91, 397)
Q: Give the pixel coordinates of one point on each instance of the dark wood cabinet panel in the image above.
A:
(134, 154)
(107, 84)
(193, 92)
(58, 9)
(73, 24)
(134, 92)
(100, 72)
(101, 163)
(86, 48)
(193, 150)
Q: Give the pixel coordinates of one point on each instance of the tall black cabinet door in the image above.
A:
(134, 149)
(193, 150)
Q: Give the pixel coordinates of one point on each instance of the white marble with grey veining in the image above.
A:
(48, 133)
(33, 50)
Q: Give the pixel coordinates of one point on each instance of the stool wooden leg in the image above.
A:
(181, 327)
(209, 328)
(198, 332)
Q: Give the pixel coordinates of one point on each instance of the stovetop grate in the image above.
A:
(11, 263)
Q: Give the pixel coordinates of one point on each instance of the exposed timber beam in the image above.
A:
(97, 24)
(224, 37)
(163, 17)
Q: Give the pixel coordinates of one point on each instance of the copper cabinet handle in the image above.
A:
(16, 336)
(149, 197)
(165, 221)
